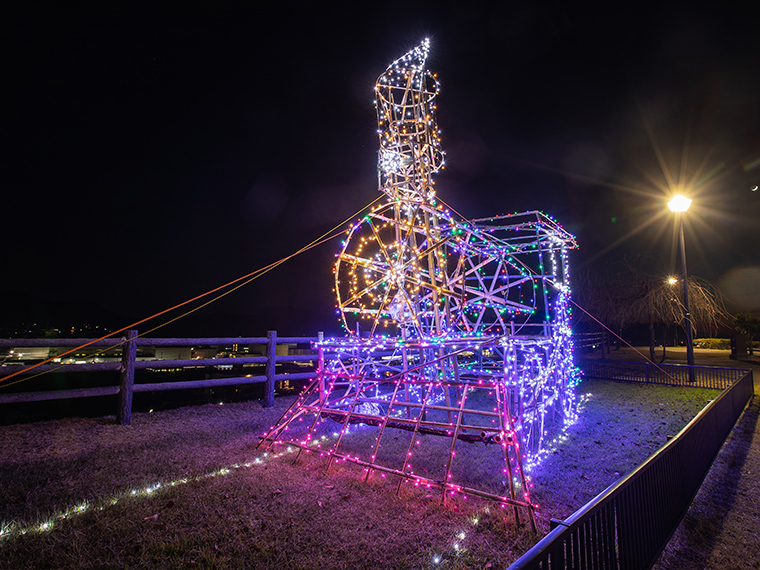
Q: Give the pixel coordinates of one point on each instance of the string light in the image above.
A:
(13, 529)
(454, 327)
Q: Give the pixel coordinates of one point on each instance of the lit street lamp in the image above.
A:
(679, 204)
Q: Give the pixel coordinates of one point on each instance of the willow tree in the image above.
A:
(660, 301)
(619, 295)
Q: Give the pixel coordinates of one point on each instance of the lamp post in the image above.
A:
(679, 204)
(673, 281)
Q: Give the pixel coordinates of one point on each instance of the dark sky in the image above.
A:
(149, 155)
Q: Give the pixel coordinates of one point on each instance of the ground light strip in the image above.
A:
(14, 529)
(11, 530)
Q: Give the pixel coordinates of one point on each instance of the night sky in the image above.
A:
(150, 155)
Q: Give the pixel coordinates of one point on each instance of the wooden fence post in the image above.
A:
(128, 355)
(321, 369)
(270, 368)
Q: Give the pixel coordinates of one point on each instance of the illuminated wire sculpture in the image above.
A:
(456, 328)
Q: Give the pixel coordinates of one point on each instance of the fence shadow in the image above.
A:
(698, 534)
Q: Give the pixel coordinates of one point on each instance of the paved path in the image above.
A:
(720, 530)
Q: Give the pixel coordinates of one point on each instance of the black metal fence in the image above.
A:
(671, 374)
(589, 341)
(628, 524)
(129, 363)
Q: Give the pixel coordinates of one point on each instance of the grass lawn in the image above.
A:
(186, 488)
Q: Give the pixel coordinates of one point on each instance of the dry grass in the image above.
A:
(222, 504)
(622, 424)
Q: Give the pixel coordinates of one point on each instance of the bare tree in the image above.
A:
(598, 294)
(621, 295)
(661, 302)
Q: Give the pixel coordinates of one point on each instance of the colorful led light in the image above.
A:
(457, 328)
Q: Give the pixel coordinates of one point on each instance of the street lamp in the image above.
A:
(679, 204)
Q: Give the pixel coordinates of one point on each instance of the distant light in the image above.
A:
(679, 203)
(754, 188)
(672, 280)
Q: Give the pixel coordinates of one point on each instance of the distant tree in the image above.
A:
(661, 302)
(602, 294)
(748, 325)
(621, 295)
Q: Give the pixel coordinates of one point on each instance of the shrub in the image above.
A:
(714, 343)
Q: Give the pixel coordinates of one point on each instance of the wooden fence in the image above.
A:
(130, 363)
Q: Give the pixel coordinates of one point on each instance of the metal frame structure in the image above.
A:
(456, 328)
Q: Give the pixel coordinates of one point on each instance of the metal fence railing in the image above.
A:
(671, 374)
(628, 524)
(589, 341)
